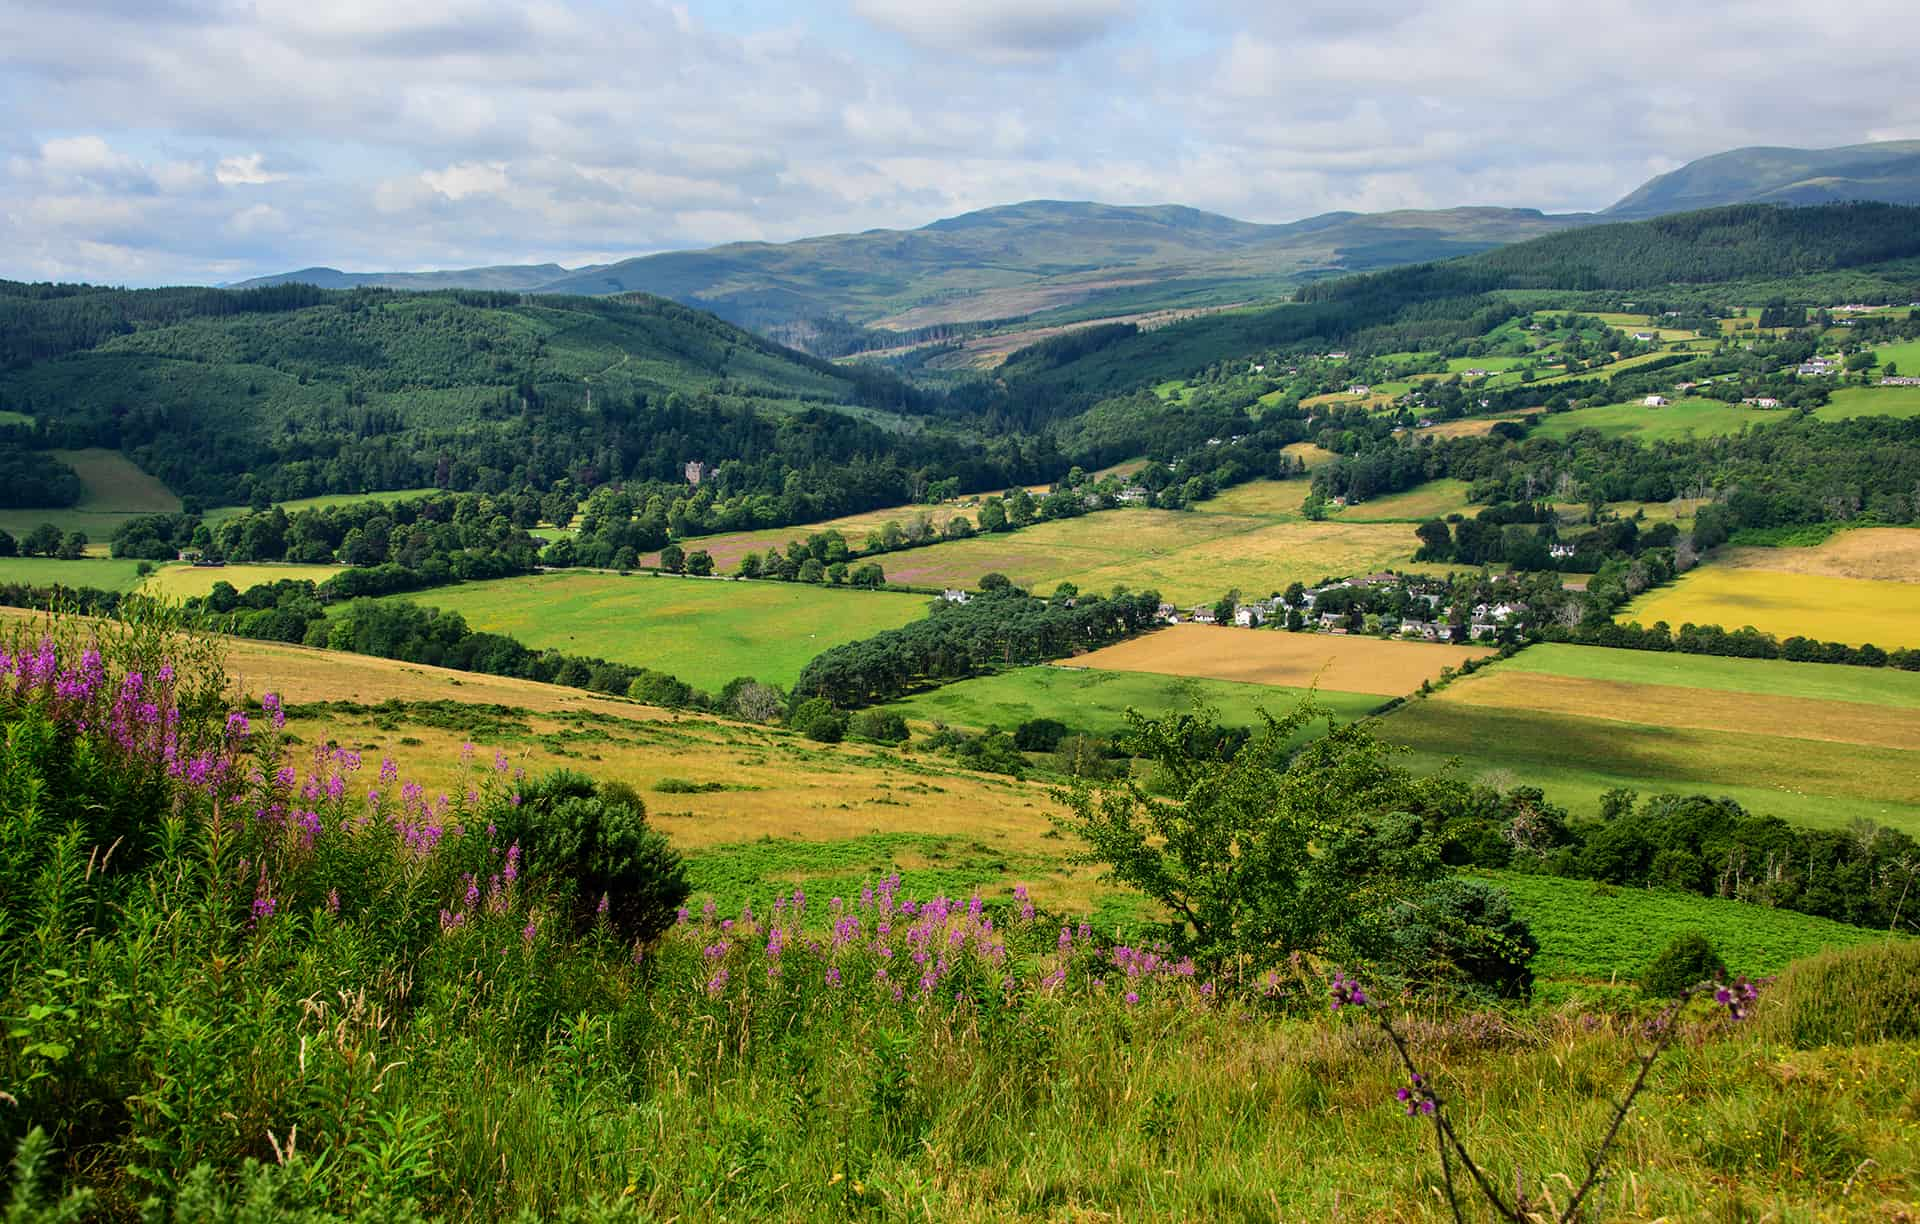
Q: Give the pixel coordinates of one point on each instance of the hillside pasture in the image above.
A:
(1434, 499)
(727, 548)
(1812, 743)
(1885, 554)
(1332, 662)
(704, 631)
(1472, 427)
(101, 573)
(1096, 699)
(1850, 402)
(114, 491)
(325, 501)
(1683, 418)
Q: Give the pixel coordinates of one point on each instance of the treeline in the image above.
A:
(1001, 627)
(1743, 643)
(1710, 847)
(34, 479)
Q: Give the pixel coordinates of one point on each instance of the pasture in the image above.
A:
(1680, 419)
(727, 548)
(1787, 598)
(115, 491)
(177, 581)
(1850, 402)
(1814, 743)
(221, 513)
(704, 631)
(100, 572)
(1434, 499)
(1471, 427)
(1096, 699)
(1331, 662)
(1596, 932)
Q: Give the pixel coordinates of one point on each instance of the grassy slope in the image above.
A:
(107, 575)
(1771, 677)
(706, 632)
(183, 581)
(115, 491)
(1678, 420)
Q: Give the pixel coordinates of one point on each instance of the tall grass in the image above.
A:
(236, 987)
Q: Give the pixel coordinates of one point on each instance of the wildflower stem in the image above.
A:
(1445, 1129)
(1666, 1030)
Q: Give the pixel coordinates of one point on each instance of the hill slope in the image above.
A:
(1887, 171)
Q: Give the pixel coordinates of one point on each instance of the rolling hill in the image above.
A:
(1887, 171)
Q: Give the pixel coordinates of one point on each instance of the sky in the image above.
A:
(152, 142)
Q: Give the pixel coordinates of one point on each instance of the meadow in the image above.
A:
(104, 573)
(114, 491)
(1683, 418)
(181, 581)
(1851, 589)
(1095, 699)
(1817, 744)
(1338, 663)
(294, 506)
(704, 631)
(1849, 402)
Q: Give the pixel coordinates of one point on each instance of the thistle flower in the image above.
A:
(1345, 990)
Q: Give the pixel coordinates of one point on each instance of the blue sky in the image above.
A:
(168, 141)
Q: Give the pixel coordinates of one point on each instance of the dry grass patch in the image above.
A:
(1472, 427)
(1879, 554)
(1298, 660)
(186, 581)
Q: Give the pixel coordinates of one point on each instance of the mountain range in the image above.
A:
(1055, 262)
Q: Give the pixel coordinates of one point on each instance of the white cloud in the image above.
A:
(1006, 29)
(245, 170)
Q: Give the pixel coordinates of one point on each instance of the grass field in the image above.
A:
(1331, 662)
(1471, 427)
(1434, 499)
(1785, 601)
(1096, 700)
(107, 575)
(1813, 743)
(116, 491)
(177, 581)
(1683, 417)
(1905, 355)
(1890, 554)
(220, 513)
(706, 632)
(727, 549)
(1595, 932)
(1849, 402)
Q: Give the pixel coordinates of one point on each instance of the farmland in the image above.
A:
(1812, 743)
(115, 491)
(1851, 589)
(1096, 699)
(1848, 402)
(704, 631)
(1683, 417)
(1331, 662)
(186, 581)
(295, 506)
(98, 572)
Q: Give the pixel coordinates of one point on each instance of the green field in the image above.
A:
(705, 631)
(1817, 744)
(115, 491)
(1592, 931)
(177, 581)
(221, 513)
(1849, 402)
(107, 575)
(1905, 355)
(1434, 499)
(1096, 701)
(1683, 417)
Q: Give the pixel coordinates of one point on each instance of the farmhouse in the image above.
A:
(1656, 401)
(954, 595)
(1762, 401)
(1359, 389)
(1560, 552)
(1132, 495)
(1168, 613)
(1248, 617)
(1645, 337)
(1818, 367)
(1203, 615)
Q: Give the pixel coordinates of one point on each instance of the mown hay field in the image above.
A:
(1883, 554)
(1851, 610)
(727, 549)
(1471, 427)
(1336, 663)
(1817, 744)
(1096, 699)
(115, 491)
(177, 581)
(705, 631)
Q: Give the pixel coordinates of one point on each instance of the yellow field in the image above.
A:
(1334, 662)
(1310, 454)
(185, 581)
(726, 550)
(1434, 499)
(1851, 610)
(1883, 554)
(1470, 427)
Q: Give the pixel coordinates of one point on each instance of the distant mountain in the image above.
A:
(524, 278)
(1017, 260)
(1888, 171)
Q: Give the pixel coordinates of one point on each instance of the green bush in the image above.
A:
(1686, 962)
(596, 836)
(1853, 997)
(1039, 735)
(880, 726)
(816, 719)
(1464, 933)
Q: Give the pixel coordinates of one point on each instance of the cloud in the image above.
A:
(196, 140)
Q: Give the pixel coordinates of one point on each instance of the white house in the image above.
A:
(1656, 401)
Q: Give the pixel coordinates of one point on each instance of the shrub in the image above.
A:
(596, 836)
(816, 719)
(881, 726)
(1464, 933)
(1687, 961)
(1853, 997)
(1039, 735)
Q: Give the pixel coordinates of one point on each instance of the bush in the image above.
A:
(596, 836)
(816, 719)
(881, 726)
(1854, 997)
(1039, 735)
(1687, 961)
(1464, 933)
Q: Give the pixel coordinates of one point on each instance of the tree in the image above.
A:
(700, 563)
(1257, 856)
(749, 566)
(869, 576)
(8, 545)
(993, 515)
(42, 541)
(73, 546)
(673, 559)
(995, 581)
